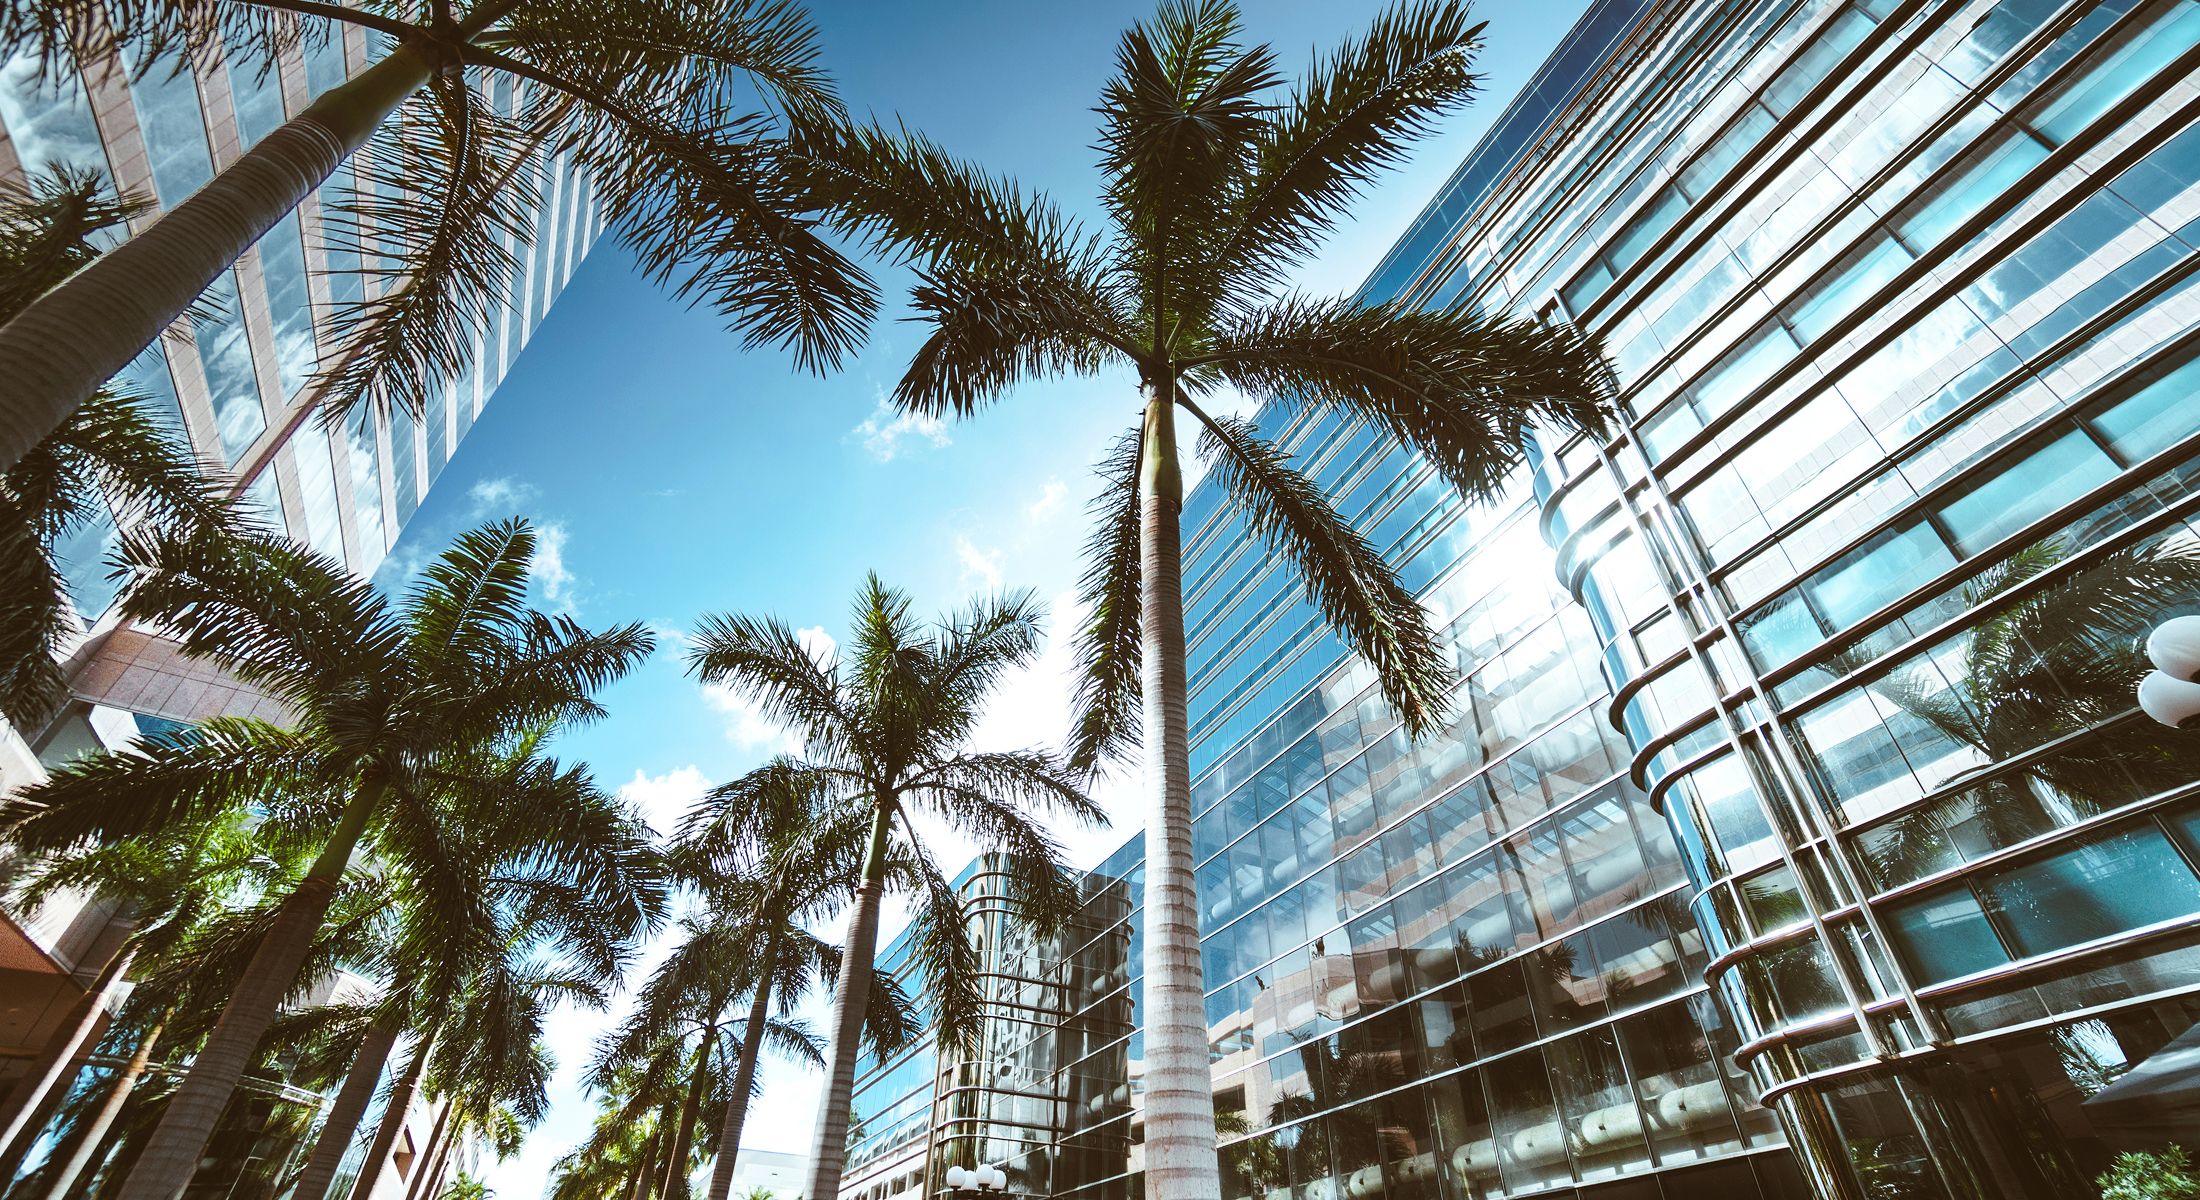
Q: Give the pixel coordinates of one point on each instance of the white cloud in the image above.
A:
(1049, 501)
(547, 567)
(979, 566)
(883, 432)
(501, 494)
(664, 799)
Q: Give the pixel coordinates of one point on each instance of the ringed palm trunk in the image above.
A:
(45, 1085)
(343, 1117)
(172, 1154)
(829, 1150)
(393, 1119)
(744, 1078)
(87, 1139)
(67, 343)
(676, 1165)
(1180, 1112)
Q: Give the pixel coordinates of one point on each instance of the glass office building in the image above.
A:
(1796, 834)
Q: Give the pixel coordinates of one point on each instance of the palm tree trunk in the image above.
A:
(744, 1077)
(646, 1174)
(342, 1125)
(1180, 1107)
(676, 1166)
(393, 1118)
(67, 343)
(171, 1155)
(438, 1148)
(86, 1140)
(829, 1150)
(45, 1086)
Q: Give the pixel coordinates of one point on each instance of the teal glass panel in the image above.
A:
(48, 118)
(2120, 882)
(2025, 491)
(2113, 78)
(1945, 935)
(80, 552)
(225, 354)
(2154, 418)
(1867, 578)
(255, 96)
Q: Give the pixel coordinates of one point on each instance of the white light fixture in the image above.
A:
(2175, 648)
(2173, 702)
(957, 1178)
(995, 1178)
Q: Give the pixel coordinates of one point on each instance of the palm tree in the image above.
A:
(170, 882)
(510, 860)
(692, 995)
(642, 95)
(1215, 187)
(883, 729)
(784, 857)
(107, 452)
(385, 694)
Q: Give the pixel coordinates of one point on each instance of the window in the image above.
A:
(255, 95)
(167, 101)
(1862, 581)
(366, 487)
(2086, 893)
(1945, 934)
(2154, 418)
(225, 354)
(2025, 491)
(317, 483)
(289, 303)
(48, 117)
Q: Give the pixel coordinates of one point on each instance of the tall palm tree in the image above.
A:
(385, 692)
(1217, 184)
(505, 864)
(107, 452)
(769, 847)
(688, 1008)
(643, 95)
(884, 728)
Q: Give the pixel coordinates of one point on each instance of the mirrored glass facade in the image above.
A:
(1796, 833)
(236, 380)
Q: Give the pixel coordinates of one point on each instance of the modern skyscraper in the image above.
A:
(234, 381)
(1796, 833)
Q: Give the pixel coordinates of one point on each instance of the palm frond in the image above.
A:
(1106, 708)
(1345, 577)
(702, 51)
(941, 952)
(1176, 124)
(274, 613)
(1348, 120)
(448, 190)
(1462, 388)
(49, 224)
(762, 658)
(988, 332)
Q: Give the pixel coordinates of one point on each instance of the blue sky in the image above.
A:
(672, 474)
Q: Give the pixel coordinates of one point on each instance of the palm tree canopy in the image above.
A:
(109, 456)
(884, 727)
(1217, 182)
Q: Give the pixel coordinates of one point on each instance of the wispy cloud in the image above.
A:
(552, 579)
(501, 495)
(1049, 502)
(979, 566)
(888, 427)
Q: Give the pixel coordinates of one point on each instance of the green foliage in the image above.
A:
(2138, 1175)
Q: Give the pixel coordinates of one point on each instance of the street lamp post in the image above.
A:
(2171, 692)
(977, 1181)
